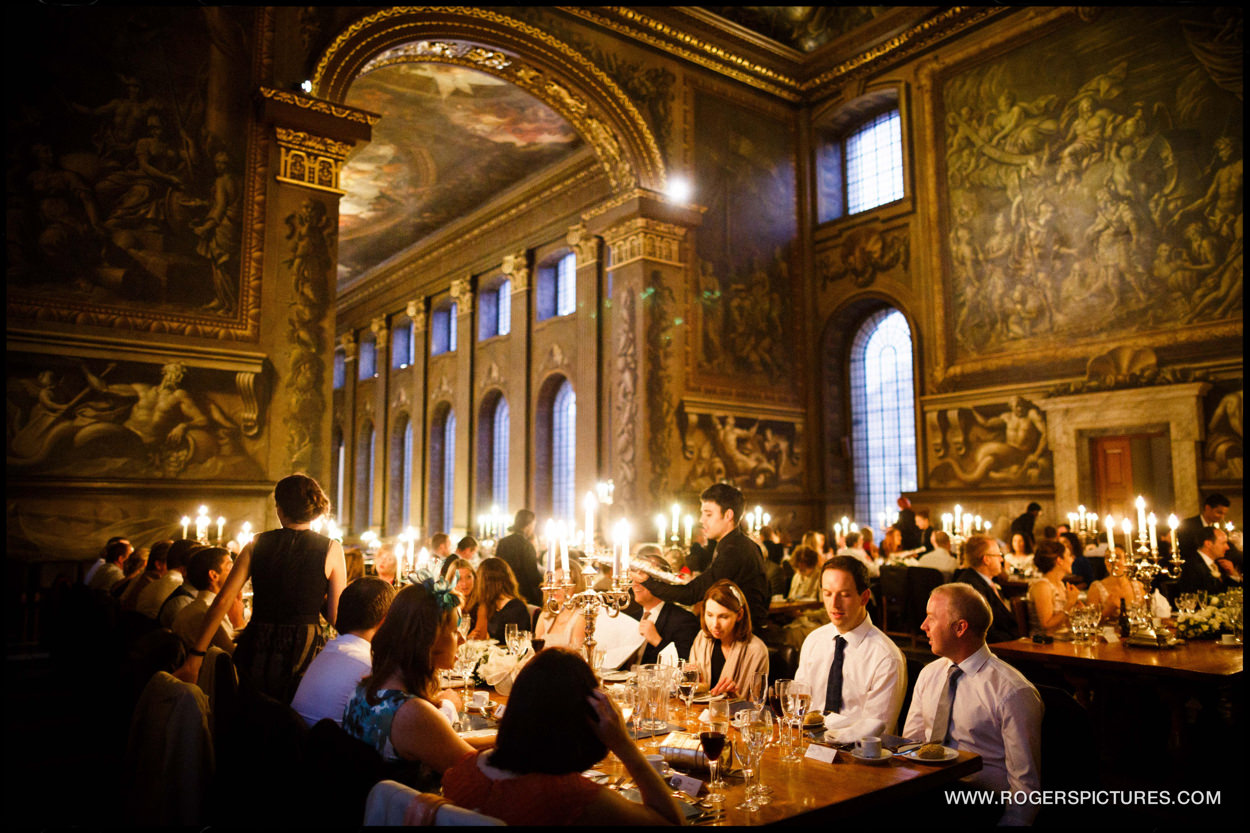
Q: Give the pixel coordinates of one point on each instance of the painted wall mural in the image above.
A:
(748, 452)
(805, 28)
(125, 169)
(987, 445)
(1102, 196)
(87, 418)
(1223, 452)
(742, 264)
(450, 139)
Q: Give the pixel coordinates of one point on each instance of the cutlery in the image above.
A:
(904, 747)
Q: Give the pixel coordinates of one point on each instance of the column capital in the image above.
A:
(516, 267)
(348, 342)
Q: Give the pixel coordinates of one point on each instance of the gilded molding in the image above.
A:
(585, 246)
(644, 239)
(462, 293)
(514, 266)
(416, 312)
(381, 332)
(310, 161)
(318, 105)
(348, 342)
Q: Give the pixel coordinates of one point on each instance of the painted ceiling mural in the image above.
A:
(449, 140)
(805, 28)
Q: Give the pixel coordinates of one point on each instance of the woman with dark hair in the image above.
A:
(395, 709)
(496, 602)
(460, 574)
(558, 724)
(725, 650)
(297, 575)
(1049, 596)
(1082, 569)
(1021, 552)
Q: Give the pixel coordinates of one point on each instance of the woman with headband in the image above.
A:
(725, 650)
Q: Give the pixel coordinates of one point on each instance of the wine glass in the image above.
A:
(688, 679)
(523, 640)
(510, 632)
(757, 689)
(798, 698)
(625, 697)
(713, 745)
(756, 728)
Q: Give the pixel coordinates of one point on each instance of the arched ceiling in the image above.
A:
(450, 139)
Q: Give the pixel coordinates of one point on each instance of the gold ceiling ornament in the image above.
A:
(642, 238)
(310, 161)
(318, 105)
(526, 56)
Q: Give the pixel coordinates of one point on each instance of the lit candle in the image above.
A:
(221, 525)
(946, 522)
(676, 518)
(958, 515)
(245, 534)
(1110, 536)
(854, 527)
(1154, 542)
(590, 502)
(186, 522)
(759, 512)
(689, 524)
(550, 529)
(1080, 511)
(1127, 528)
(661, 527)
(837, 532)
(976, 525)
(845, 522)
(1173, 523)
(768, 519)
(616, 549)
(562, 534)
(1141, 515)
(624, 542)
(201, 525)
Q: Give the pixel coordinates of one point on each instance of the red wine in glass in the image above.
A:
(713, 744)
(537, 644)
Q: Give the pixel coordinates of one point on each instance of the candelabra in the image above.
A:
(1143, 563)
(589, 601)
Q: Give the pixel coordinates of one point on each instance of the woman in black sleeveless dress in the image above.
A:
(296, 575)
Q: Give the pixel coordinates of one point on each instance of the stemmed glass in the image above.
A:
(465, 659)
(688, 679)
(625, 697)
(510, 637)
(756, 727)
(713, 743)
(797, 699)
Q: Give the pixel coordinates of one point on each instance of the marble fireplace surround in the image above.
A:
(1072, 420)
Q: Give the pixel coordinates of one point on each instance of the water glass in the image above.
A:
(510, 637)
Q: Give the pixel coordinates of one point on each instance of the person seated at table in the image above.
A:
(354, 560)
(566, 629)
(1209, 570)
(1050, 597)
(207, 573)
(558, 724)
(725, 650)
(1107, 592)
(1021, 556)
(496, 602)
(660, 623)
(866, 544)
(984, 557)
(939, 558)
(851, 546)
(970, 700)
(806, 581)
(155, 568)
(1082, 568)
(891, 543)
(816, 540)
(332, 678)
(459, 573)
(385, 565)
(850, 667)
(395, 709)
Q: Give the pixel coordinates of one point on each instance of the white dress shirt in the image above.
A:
(874, 673)
(188, 623)
(996, 714)
(331, 679)
(941, 560)
(154, 595)
(874, 569)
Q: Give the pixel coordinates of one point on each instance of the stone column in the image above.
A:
(344, 514)
(463, 402)
(520, 410)
(592, 402)
(308, 140)
(419, 412)
(648, 253)
(381, 421)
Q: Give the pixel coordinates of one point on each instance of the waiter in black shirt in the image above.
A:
(735, 557)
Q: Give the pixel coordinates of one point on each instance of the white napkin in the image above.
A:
(668, 656)
(842, 729)
(498, 665)
(618, 638)
(448, 711)
(1162, 610)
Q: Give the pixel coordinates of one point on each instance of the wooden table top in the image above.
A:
(1198, 659)
(795, 607)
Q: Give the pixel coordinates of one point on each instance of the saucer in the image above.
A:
(1222, 644)
(948, 754)
(884, 756)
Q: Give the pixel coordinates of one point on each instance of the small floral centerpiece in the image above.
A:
(1208, 621)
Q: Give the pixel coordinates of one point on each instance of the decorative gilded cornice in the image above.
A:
(321, 106)
(348, 342)
(462, 294)
(517, 269)
(416, 312)
(644, 239)
(380, 332)
(310, 161)
(585, 245)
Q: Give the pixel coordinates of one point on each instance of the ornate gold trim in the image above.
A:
(319, 105)
(644, 239)
(310, 161)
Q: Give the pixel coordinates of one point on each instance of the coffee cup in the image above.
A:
(868, 747)
(656, 762)
(1228, 639)
(480, 699)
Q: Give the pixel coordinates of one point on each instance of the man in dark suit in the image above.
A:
(517, 550)
(1214, 508)
(1024, 523)
(985, 561)
(913, 536)
(735, 557)
(1208, 570)
(660, 622)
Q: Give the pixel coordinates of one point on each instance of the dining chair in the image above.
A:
(169, 755)
(1020, 609)
(894, 600)
(920, 583)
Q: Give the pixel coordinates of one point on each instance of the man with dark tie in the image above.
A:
(985, 562)
(969, 699)
(1208, 570)
(851, 667)
(660, 623)
(1214, 508)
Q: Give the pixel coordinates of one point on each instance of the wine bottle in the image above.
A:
(1125, 628)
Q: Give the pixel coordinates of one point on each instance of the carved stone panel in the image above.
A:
(987, 444)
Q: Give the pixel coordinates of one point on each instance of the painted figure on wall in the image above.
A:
(1224, 450)
(972, 449)
(75, 421)
(1103, 196)
(751, 453)
(128, 199)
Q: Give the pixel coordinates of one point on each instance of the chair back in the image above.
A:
(1020, 608)
(894, 599)
(169, 755)
(920, 583)
(1098, 564)
(354, 767)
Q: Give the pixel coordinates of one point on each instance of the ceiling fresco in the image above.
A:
(805, 28)
(450, 138)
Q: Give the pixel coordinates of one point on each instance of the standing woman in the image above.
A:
(296, 575)
(725, 650)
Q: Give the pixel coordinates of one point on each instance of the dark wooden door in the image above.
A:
(1113, 475)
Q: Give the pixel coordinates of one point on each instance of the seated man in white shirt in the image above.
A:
(152, 597)
(851, 667)
(852, 548)
(969, 699)
(207, 573)
(940, 558)
(331, 679)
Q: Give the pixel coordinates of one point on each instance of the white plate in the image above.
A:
(884, 756)
(704, 698)
(1228, 644)
(948, 754)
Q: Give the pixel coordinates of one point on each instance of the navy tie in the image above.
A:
(833, 690)
(942, 720)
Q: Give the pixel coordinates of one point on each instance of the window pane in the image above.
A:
(499, 465)
(883, 416)
(451, 327)
(487, 315)
(829, 186)
(340, 369)
(401, 345)
(449, 469)
(504, 305)
(563, 452)
(405, 479)
(366, 359)
(874, 163)
(438, 331)
(566, 285)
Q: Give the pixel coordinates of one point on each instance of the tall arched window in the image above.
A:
(883, 415)
(563, 451)
(363, 515)
(492, 452)
(398, 490)
(442, 469)
(338, 474)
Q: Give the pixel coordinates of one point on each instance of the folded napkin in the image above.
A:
(842, 729)
(498, 666)
(1161, 608)
(448, 711)
(668, 656)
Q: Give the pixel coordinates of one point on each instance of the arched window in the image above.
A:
(492, 457)
(362, 518)
(442, 469)
(338, 473)
(367, 359)
(556, 293)
(399, 491)
(859, 157)
(443, 328)
(883, 415)
(563, 451)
